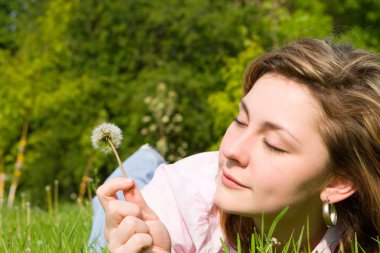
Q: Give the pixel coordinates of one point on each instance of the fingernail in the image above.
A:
(128, 180)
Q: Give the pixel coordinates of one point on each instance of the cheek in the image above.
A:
(288, 177)
(301, 179)
(313, 180)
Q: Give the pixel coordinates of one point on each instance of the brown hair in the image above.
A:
(346, 82)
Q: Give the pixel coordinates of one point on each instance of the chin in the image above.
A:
(223, 202)
(231, 204)
(240, 212)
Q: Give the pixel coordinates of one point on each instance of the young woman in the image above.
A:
(307, 137)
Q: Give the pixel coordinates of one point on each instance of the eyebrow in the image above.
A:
(268, 124)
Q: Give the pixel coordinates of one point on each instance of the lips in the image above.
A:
(231, 182)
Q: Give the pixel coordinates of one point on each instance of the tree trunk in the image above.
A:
(18, 165)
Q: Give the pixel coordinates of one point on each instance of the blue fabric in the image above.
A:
(140, 166)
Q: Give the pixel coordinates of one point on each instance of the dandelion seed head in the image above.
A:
(73, 196)
(152, 128)
(147, 100)
(161, 87)
(274, 241)
(172, 94)
(102, 133)
(144, 131)
(146, 119)
(165, 119)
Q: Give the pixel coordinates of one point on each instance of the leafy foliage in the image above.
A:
(68, 65)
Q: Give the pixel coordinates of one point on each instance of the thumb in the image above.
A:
(134, 195)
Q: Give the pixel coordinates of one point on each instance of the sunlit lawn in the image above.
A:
(67, 229)
(64, 230)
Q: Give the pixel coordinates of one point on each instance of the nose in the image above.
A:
(236, 149)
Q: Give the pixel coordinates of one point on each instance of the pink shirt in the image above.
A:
(182, 194)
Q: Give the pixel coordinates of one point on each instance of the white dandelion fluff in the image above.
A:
(104, 134)
(274, 241)
(107, 137)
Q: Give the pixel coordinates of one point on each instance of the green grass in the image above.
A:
(65, 230)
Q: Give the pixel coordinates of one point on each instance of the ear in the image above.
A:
(337, 190)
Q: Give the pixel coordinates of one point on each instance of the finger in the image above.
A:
(134, 195)
(136, 244)
(107, 191)
(125, 231)
(116, 210)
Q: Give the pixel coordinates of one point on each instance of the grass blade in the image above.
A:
(225, 248)
(274, 224)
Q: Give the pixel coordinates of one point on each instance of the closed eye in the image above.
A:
(239, 123)
(273, 148)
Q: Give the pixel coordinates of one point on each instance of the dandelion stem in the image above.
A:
(2, 180)
(28, 222)
(56, 189)
(48, 199)
(18, 220)
(89, 192)
(117, 157)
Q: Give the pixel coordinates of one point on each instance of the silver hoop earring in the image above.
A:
(329, 213)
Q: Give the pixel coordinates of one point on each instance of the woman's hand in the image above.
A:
(131, 225)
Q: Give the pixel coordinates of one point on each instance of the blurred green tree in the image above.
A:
(280, 22)
(67, 65)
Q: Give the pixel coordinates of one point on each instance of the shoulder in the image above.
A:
(330, 240)
(193, 177)
(197, 167)
(182, 196)
(196, 162)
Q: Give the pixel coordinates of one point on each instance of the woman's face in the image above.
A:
(273, 155)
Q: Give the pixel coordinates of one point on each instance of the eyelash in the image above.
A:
(273, 148)
(239, 123)
(267, 145)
